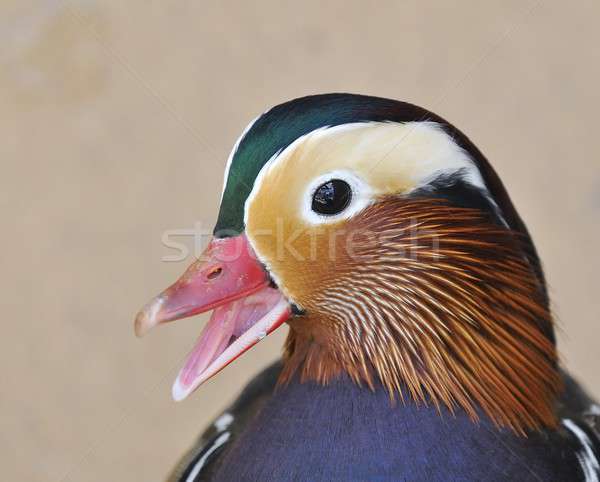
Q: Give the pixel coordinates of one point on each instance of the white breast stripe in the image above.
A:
(224, 437)
(593, 410)
(586, 456)
(223, 422)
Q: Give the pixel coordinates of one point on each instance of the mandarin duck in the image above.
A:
(420, 344)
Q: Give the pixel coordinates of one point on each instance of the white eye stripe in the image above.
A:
(430, 152)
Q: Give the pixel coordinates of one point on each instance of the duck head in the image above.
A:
(386, 241)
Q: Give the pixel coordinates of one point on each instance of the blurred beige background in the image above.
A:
(116, 121)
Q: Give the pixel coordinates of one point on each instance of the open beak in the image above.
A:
(229, 280)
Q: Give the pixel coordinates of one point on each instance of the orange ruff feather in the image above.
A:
(434, 300)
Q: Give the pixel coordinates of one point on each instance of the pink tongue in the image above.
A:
(213, 340)
(229, 320)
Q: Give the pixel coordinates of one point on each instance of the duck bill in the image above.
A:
(229, 280)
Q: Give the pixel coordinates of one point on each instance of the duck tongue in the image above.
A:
(212, 342)
(231, 330)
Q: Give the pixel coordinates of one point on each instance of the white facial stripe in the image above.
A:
(232, 154)
(274, 160)
(258, 182)
(255, 189)
(378, 157)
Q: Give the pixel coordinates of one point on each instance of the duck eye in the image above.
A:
(332, 197)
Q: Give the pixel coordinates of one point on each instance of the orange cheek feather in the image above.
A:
(431, 300)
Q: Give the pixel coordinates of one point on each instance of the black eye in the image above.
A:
(332, 197)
